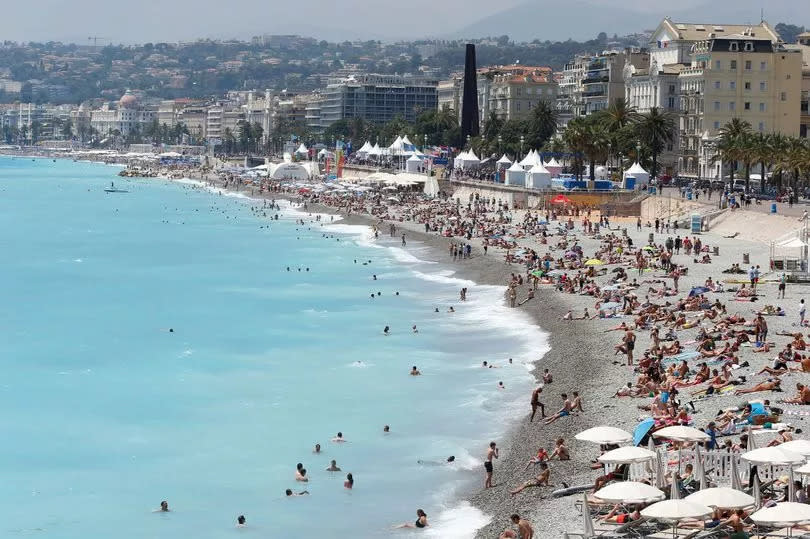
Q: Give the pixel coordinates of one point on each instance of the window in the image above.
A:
(732, 85)
(763, 66)
(747, 105)
(748, 65)
(733, 65)
(762, 126)
(787, 77)
(517, 107)
(749, 46)
(717, 125)
(732, 105)
(671, 102)
(717, 105)
(518, 91)
(734, 46)
(717, 64)
(717, 85)
(762, 107)
(671, 89)
(747, 85)
(783, 96)
(763, 86)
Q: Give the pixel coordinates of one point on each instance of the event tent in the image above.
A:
(538, 177)
(515, 175)
(637, 171)
(413, 163)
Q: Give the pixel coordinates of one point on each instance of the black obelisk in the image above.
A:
(469, 103)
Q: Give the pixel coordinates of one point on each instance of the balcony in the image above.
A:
(595, 79)
(595, 93)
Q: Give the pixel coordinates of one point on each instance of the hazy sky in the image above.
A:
(140, 21)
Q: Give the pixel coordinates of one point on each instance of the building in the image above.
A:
(515, 90)
(377, 98)
(448, 93)
(124, 118)
(313, 116)
(569, 94)
(751, 76)
(603, 82)
(803, 45)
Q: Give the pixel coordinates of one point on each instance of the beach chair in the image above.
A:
(773, 534)
(668, 533)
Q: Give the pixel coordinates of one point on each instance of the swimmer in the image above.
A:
(451, 310)
(501, 386)
(375, 277)
(436, 310)
(339, 438)
(349, 482)
(164, 507)
(301, 475)
(415, 371)
(241, 522)
(386, 429)
(333, 467)
(386, 330)
(289, 492)
(317, 448)
(421, 521)
(414, 329)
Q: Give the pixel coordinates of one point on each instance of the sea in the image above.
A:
(177, 343)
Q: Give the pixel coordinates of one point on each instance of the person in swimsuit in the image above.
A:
(415, 371)
(241, 522)
(524, 529)
(289, 492)
(537, 404)
(539, 481)
(164, 507)
(564, 411)
(349, 482)
(492, 452)
(339, 438)
(333, 467)
(421, 521)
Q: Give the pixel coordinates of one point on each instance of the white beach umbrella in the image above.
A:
(804, 469)
(751, 445)
(604, 434)
(722, 497)
(802, 447)
(674, 510)
(700, 470)
(736, 484)
(775, 456)
(627, 455)
(757, 492)
(629, 492)
(680, 433)
(783, 514)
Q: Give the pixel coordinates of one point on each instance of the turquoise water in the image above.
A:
(106, 412)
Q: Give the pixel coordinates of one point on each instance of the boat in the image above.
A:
(113, 189)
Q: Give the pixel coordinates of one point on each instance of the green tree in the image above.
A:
(729, 145)
(655, 129)
(67, 129)
(541, 125)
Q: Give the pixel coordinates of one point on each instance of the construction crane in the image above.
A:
(95, 39)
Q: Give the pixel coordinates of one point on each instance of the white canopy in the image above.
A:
(365, 148)
(504, 160)
(553, 163)
(515, 175)
(375, 150)
(772, 455)
(804, 469)
(792, 243)
(636, 168)
(627, 455)
(675, 510)
(528, 161)
(722, 497)
(629, 492)
(604, 435)
(470, 156)
(783, 514)
(302, 149)
(397, 145)
(294, 171)
(681, 434)
(538, 177)
(405, 141)
(637, 171)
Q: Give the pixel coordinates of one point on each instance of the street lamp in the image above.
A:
(522, 140)
(609, 155)
(468, 142)
(499, 143)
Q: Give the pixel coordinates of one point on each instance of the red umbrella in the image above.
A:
(560, 199)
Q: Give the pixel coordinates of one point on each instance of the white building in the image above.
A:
(124, 118)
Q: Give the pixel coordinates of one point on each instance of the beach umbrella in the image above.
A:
(604, 435)
(675, 488)
(594, 262)
(700, 470)
(538, 273)
(804, 469)
(560, 199)
(722, 497)
(736, 484)
(698, 290)
(674, 511)
(629, 492)
(661, 468)
(783, 514)
(586, 513)
(775, 456)
(751, 445)
(680, 433)
(802, 447)
(757, 492)
(627, 455)
(642, 429)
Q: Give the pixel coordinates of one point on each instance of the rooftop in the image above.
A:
(698, 31)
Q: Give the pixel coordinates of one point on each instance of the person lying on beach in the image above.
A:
(772, 384)
(618, 474)
(621, 515)
(540, 481)
(421, 521)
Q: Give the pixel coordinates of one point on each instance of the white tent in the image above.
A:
(467, 160)
(503, 162)
(406, 141)
(515, 175)
(302, 149)
(397, 145)
(431, 186)
(375, 150)
(538, 177)
(289, 171)
(412, 164)
(364, 149)
(637, 171)
(554, 167)
(528, 160)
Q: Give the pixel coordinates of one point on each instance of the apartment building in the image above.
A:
(515, 90)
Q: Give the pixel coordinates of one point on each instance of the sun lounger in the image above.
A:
(685, 533)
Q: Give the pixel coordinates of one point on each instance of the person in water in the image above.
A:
(339, 438)
(386, 330)
(415, 371)
(289, 492)
(421, 521)
(333, 467)
(164, 507)
(241, 522)
(349, 482)
(317, 448)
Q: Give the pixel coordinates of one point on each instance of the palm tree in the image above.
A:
(542, 124)
(655, 128)
(729, 142)
(575, 138)
(618, 115)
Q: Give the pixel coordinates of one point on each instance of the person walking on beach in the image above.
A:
(537, 404)
(492, 453)
(403, 240)
(782, 283)
(802, 310)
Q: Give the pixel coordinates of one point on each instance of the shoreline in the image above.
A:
(565, 358)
